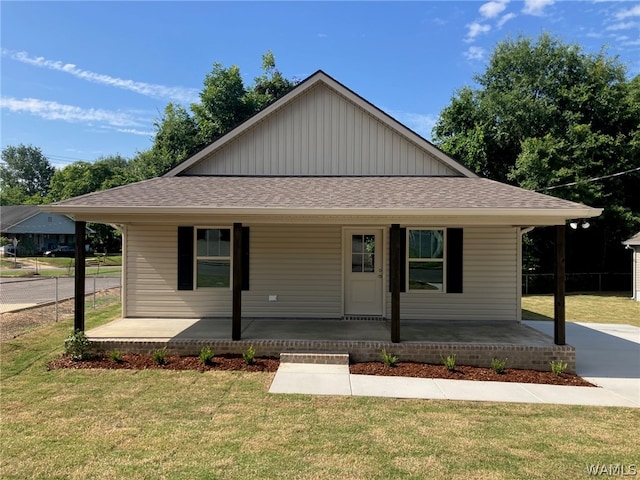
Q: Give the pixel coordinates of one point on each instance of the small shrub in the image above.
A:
(115, 356)
(558, 367)
(449, 361)
(389, 359)
(77, 345)
(249, 355)
(498, 365)
(159, 356)
(206, 356)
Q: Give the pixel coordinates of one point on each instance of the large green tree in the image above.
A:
(80, 178)
(225, 102)
(25, 174)
(546, 114)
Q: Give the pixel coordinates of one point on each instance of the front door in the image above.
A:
(363, 272)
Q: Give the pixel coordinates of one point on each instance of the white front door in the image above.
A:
(363, 262)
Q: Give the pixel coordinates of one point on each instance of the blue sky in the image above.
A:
(82, 80)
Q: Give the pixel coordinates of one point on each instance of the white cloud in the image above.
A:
(631, 12)
(536, 7)
(505, 18)
(622, 26)
(475, 53)
(493, 9)
(56, 111)
(179, 94)
(475, 29)
(133, 131)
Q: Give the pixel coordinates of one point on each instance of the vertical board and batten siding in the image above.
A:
(490, 266)
(300, 264)
(320, 133)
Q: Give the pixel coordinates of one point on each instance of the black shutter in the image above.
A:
(454, 260)
(185, 258)
(245, 258)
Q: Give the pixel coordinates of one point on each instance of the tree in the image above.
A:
(546, 114)
(80, 178)
(24, 175)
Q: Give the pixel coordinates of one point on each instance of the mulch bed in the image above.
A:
(133, 361)
(423, 370)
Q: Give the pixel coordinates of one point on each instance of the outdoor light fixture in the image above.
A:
(584, 224)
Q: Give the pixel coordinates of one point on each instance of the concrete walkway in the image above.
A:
(607, 355)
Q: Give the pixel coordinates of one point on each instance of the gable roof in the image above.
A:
(24, 219)
(11, 215)
(320, 78)
(635, 240)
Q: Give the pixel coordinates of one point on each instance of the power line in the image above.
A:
(595, 179)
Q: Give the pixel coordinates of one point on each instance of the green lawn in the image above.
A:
(603, 307)
(154, 424)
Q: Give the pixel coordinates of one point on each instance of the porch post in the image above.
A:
(394, 262)
(559, 300)
(78, 313)
(236, 318)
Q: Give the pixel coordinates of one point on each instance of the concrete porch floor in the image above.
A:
(473, 342)
(439, 331)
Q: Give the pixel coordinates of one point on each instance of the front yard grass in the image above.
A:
(104, 424)
(600, 307)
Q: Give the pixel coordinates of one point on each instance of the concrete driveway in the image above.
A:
(607, 354)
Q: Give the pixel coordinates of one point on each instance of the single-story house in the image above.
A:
(634, 244)
(322, 206)
(35, 229)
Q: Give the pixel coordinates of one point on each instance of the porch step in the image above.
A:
(313, 357)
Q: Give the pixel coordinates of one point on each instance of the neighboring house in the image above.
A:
(323, 206)
(634, 244)
(36, 230)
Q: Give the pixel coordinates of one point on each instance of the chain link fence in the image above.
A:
(537, 283)
(26, 303)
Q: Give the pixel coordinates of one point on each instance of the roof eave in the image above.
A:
(556, 213)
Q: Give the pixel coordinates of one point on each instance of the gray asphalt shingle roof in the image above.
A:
(319, 193)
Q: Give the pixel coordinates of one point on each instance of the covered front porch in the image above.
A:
(473, 342)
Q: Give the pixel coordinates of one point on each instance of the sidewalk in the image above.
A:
(607, 355)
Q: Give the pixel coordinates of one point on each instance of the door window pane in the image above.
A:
(363, 248)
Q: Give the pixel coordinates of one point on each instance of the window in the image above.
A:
(426, 259)
(363, 253)
(213, 257)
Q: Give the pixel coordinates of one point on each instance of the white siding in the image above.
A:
(320, 133)
(636, 273)
(301, 265)
(152, 277)
(490, 289)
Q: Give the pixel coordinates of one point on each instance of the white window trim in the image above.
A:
(196, 257)
(443, 260)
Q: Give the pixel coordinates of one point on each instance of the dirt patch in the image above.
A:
(423, 370)
(134, 361)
